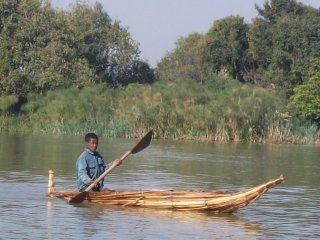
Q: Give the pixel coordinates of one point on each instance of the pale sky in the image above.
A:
(157, 24)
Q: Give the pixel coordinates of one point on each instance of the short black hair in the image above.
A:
(89, 136)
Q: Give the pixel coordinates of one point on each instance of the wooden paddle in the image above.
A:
(142, 144)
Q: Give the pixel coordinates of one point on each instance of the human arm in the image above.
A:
(83, 168)
(115, 162)
(82, 171)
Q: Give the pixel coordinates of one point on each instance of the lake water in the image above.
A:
(289, 211)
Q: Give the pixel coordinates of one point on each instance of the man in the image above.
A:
(90, 165)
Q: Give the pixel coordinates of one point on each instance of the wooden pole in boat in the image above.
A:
(51, 183)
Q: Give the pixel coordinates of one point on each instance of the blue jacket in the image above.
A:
(89, 166)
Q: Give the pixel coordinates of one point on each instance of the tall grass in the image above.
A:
(218, 111)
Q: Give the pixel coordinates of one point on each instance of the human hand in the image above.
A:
(117, 162)
(95, 183)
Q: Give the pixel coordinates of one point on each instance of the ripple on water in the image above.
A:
(285, 212)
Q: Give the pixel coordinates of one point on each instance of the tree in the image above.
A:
(228, 46)
(305, 101)
(282, 40)
(274, 9)
(106, 45)
(186, 61)
(140, 72)
(36, 49)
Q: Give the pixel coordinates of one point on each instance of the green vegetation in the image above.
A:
(218, 111)
(79, 71)
(43, 49)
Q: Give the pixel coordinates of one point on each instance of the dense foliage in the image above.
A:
(218, 111)
(275, 50)
(78, 71)
(43, 49)
(305, 101)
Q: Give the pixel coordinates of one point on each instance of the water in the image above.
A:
(289, 211)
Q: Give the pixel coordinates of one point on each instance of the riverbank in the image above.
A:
(225, 111)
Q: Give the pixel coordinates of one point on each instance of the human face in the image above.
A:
(92, 144)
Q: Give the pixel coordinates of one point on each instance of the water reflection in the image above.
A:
(140, 223)
(214, 225)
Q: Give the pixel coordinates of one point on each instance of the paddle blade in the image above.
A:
(143, 143)
(79, 198)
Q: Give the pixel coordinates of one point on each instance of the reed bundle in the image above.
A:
(183, 200)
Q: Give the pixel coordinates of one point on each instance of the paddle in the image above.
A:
(142, 144)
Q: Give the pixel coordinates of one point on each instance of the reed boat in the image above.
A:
(183, 200)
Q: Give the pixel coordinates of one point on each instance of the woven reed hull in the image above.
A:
(215, 201)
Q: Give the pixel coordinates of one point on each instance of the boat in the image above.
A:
(183, 200)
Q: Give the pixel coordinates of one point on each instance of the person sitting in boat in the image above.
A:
(90, 165)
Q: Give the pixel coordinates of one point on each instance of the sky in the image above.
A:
(157, 24)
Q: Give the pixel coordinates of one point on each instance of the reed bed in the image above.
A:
(184, 111)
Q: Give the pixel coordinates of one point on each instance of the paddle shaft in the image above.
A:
(107, 171)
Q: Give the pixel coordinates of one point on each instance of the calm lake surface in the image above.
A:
(289, 211)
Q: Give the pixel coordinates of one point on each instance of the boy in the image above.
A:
(90, 165)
